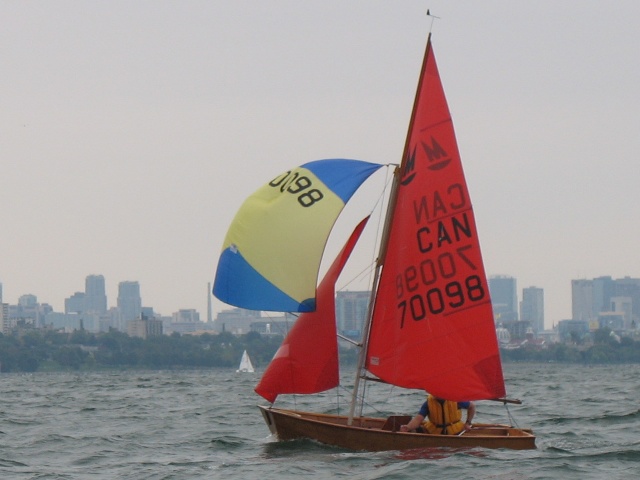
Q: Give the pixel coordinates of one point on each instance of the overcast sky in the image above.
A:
(130, 132)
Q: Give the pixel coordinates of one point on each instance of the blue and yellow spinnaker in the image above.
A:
(272, 252)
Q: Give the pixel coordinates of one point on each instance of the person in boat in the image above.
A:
(442, 417)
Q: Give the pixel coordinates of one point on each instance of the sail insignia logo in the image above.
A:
(408, 174)
(438, 158)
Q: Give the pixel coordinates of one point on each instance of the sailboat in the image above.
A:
(245, 364)
(430, 324)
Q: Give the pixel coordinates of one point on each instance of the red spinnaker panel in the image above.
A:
(307, 360)
(433, 324)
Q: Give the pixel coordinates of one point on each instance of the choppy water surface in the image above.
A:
(204, 424)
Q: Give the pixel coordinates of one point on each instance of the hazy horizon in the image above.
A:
(132, 131)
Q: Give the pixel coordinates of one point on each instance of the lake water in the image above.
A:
(204, 424)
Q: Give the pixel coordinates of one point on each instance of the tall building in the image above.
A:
(75, 303)
(582, 300)
(351, 312)
(504, 298)
(532, 308)
(28, 300)
(591, 298)
(630, 288)
(30, 310)
(603, 289)
(4, 318)
(129, 302)
(624, 307)
(95, 296)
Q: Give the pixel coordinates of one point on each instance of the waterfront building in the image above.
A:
(144, 327)
(351, 312)
(504, 298)
(129, 302)
(95, 295)
(582, 300)
(590, 298)
(75, 303)
(186, 315)
(4, 318)
(236, 320)
(532, 308)
(29, 310)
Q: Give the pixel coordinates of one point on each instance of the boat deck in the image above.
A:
(378, 434)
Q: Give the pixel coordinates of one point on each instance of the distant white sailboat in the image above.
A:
(245, 364)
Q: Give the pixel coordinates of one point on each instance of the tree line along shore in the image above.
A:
(49, 350)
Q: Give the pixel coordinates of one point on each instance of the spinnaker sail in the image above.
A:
(272, 251)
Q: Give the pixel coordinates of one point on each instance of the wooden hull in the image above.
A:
(380, 434)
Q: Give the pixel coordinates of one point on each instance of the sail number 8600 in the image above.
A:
(436, 300)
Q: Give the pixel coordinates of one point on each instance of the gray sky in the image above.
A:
(130, 132)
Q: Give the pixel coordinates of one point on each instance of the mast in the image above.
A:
(393, 198)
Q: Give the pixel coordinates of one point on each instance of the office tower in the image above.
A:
(129, 302)
(351, 311)
(75, 303)
(590, 297)
(603, 289)
(532, 308)
(95, 296)
(504, 298)
(582, 300)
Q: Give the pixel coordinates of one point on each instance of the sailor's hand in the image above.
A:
(404, 428)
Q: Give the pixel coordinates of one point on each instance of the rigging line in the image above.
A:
(385, 403)
(368, 269)
(512, 420)
(360, 398)
(381, 216)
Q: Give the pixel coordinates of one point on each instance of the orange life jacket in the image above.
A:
(444, 417)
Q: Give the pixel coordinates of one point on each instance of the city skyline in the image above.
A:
(510, 302)
(131, 133)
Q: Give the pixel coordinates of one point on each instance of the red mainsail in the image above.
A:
(432, 326)
(307, 360)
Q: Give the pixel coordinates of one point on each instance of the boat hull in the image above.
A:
(380, 434)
